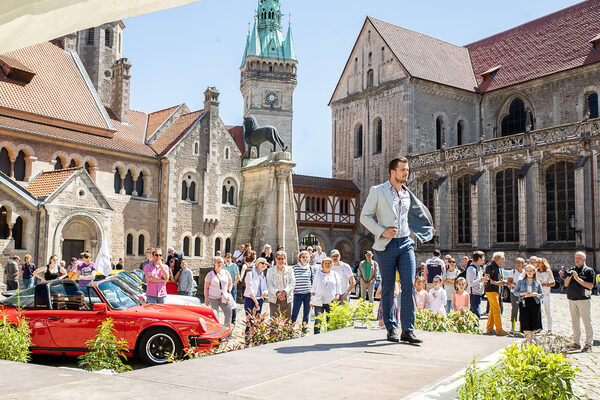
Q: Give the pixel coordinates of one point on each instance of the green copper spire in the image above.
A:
(266, 38)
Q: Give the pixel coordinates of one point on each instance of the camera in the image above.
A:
(569, 271)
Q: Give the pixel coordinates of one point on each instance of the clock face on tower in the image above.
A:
(271, 98)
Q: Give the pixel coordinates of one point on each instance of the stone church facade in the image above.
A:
(502, 134)
(78, 168)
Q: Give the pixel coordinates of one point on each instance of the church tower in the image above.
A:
(268, 72)
(99, 48)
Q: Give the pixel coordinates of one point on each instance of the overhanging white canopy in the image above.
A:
(27, 22)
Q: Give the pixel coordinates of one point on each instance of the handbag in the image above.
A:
(226, 297)
(316, 301)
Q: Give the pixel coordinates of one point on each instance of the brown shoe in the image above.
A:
(574, 346)
(502, 333)
(491, 332)
(586, 348)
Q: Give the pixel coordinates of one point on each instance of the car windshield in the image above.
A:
(22, 299)
(134, 282)
(117, 294)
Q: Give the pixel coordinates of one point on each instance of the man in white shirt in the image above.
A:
(345, 273)
(319, 255)
(433, 267)
(238, 255)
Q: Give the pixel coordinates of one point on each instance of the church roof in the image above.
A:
(426, 57)
(157, 118)
(237, 133)
(324, 183)
(176, 131)
(47, 182)
(58, 89)
(550, 44)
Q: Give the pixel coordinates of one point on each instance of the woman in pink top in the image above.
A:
(157, 275)
(420, 294)
(460, 298)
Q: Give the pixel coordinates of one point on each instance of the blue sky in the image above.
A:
(177, 53)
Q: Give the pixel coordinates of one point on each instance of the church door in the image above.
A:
(72, 248)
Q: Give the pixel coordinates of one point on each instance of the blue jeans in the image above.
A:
(234, 311)
(184, 293)
(155, 300)
(475, 300)
(448, 306)
(250, 308)
(318, 312)
(27, 283)
(399, 255)
(301, 300)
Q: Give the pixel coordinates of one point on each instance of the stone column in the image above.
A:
(266, 209)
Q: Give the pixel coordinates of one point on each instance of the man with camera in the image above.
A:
(579, 283)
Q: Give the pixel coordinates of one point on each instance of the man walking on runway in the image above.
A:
(391, 212)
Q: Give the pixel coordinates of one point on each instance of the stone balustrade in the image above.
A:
(506, 144)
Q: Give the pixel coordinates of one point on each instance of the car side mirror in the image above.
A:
(100, 308)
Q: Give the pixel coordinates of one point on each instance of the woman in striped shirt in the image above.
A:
(303, 274)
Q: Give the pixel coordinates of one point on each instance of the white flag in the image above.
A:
(103, 264)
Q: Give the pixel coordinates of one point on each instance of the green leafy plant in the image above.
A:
(15, 340)
(346, 314)
(106, 351)
(523, 372)
(460, 321)
(264, 329)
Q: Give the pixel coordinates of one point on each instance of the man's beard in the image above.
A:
(399, 181)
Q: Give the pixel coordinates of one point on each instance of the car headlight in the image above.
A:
(202, 323)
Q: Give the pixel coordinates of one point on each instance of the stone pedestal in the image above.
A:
(266, 209)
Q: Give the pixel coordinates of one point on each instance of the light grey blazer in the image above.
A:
(378, 214)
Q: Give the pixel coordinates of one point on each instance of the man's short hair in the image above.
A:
(170, 248)
(309, 248)
(582, 254)
(248, 244)
(477, 255)
(281, 253)
(498, 255)
(520, 259)
(149, 250)
(394, 163)
(437, 253)
(334, 252)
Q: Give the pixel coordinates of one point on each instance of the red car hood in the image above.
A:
(172, 312)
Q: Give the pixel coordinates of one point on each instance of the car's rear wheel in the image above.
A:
(159, 345)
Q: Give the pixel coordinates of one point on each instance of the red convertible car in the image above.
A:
(63, 316)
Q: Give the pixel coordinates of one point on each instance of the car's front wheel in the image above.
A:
(159, 345)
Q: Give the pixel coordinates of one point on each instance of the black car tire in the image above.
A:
(158, 344)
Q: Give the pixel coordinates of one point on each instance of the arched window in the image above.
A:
(516, 120)
(507, 206)
(460, 128)
(129, 246)
(439, 133)
(58, 164)
(197, 247)
(17, 233)
(19, 167)
(228, 193)
(463, 218)
(73, 164)
(141, 245)
(358, 141)
(428, 198)
(118, 182)
(186, 246)
(4, 229)
(108, 37)
(217, 245)
(87, 167)
(128, 183)
(184, 190)
(4, 161)
(378, 136)
(560, 201)
(90, 36)
(227, 245)
(592, 105)
(139, 184)
(370, 78)
(192, 191)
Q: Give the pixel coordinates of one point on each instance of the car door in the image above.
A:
(72, 323)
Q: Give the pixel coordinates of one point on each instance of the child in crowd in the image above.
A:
(437, 296)
(380, 309)
(420, 294)
(460, 299)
